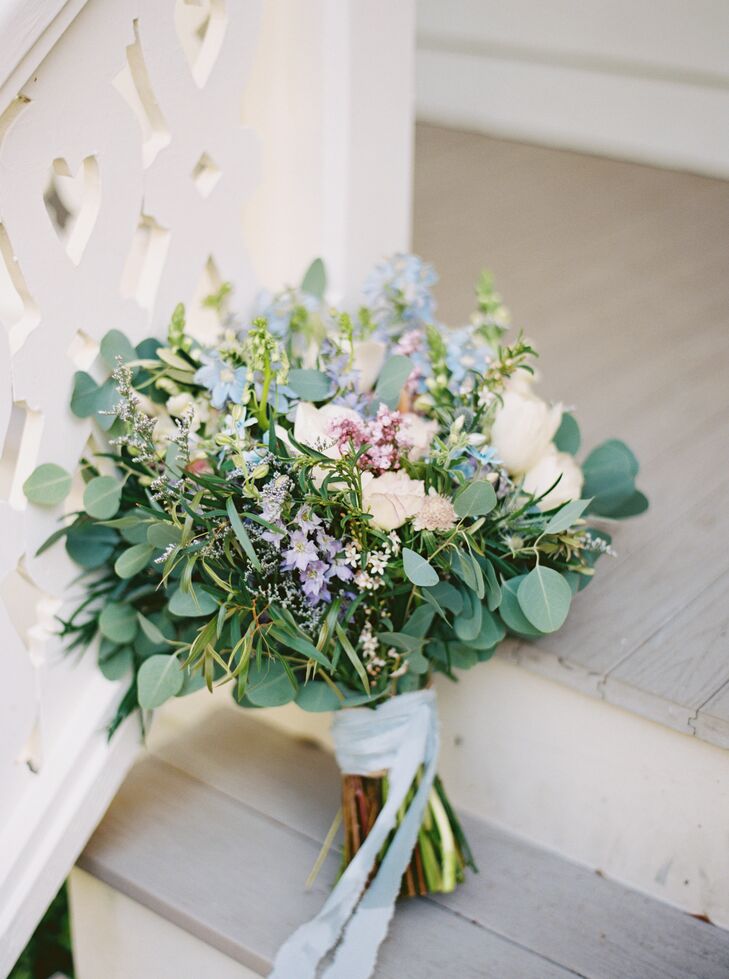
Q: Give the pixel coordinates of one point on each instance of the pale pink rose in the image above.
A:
(552, 465)
(392, 498)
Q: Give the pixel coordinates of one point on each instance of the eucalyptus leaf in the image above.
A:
(419, 622)
(133, 560)
(490, 633)
(475, 500)
(493, 588)
(469, 571)
(401, 641)
(392, 379)
(90, 544)
(118, 622)
(117, 662)
(191, 683)
(102, 497)
(448, 596)
(269, 685)
(314, 282)
(467, 625)
(417, 663)
(114, 345)
(418, 569)
(544, 597)
(151, 631)
(566, 516)
(47, 485)
(511, 613)
(84, 395)
(609, 472)
(317, 697)
(159, 678)
(568, 438)
(162, 534)
(191, 604)
(634, 505)
(309, 384)
(462, 657)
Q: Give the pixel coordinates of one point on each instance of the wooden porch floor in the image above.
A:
(620, 275)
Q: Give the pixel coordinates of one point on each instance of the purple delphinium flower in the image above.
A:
(274, 538)
(328, 545)
(314, 582)
(307, 520)
(224, 382)
(341, 570)
(301, 553)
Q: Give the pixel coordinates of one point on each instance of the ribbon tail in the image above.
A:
(301, 953)
(357, 954)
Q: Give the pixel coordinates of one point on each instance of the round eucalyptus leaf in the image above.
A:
(418, 570)
(191, 683)
(118, 622)
(309, 384)
(475, 500)
(317, 696)
(47, 485)
(135, 533)
(269, 684)
(392, 379)
(544, 598)
(467, 625)
(567, 437)
(159, 678)
(102, 497)
(315, 280)
(490, 634)
(162, 534)
(90, 544)
(133, 560)
(118, 663)
(511, 613)
(114, 345)
(192, 604)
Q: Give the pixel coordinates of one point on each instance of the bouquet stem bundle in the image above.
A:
(441, 853)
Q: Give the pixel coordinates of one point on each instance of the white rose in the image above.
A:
(392, 498)
(420, 432)
(549, 468)
(369, 356)
(179, 404)
(524, 427)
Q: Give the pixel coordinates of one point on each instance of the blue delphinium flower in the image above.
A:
(466, 352)
(398, 290)
(279, 308)
(224, 382)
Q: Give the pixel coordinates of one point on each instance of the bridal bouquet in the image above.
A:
(329, 507)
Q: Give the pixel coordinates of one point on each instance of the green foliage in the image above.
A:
(309, 384)
(568, 438)
(102, 497)
(392, 380)
(315, 280)
(48, 485)
(159, 678)
(49, 950)
(418, 569)
(610, 472)
(475, 499)
(544, 598)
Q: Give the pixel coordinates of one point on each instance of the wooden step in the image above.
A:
(218, 832)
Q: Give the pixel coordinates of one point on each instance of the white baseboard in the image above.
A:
(650, 118)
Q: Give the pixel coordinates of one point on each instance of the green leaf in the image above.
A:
(90, 544)
(352, 656)
(417, 663)
(133, 560)
(475, 500)
(510, 610)
(493, 588)
(318, 697)
(47, 485)
(565, 517)
(191, 683)
(269, 685)
(159, 678)
(114, 345)
(568, 438)
(118, 622)
(116, 662)
(135, 533)
(448, 596)
(462, 657)
(419, 622)
(635, 504)
(151, 631)
(610, 472)
(309, 384)
(468, 625)
(418, 569)
(84, 394)
(191, 604)
(315, 280)
(392, 379)
(288, 639)
(544, 597)
(241, 533)
(490, 633)
(162, 534)
(401, 641)
(102, 497)
(469, 571)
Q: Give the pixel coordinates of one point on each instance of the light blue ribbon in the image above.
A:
(398, 737)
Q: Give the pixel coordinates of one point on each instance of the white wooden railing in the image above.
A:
(148, 147)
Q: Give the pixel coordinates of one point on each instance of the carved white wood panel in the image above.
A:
(123, 170)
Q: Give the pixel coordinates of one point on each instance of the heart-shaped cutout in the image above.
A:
(72, 201)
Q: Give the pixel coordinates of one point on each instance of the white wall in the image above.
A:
(646, 81)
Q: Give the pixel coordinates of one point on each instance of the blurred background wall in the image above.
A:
(645, 81)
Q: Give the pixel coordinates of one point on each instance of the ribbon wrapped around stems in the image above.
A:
(399, 737)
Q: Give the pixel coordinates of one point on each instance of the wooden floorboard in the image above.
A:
(618, 272)
(218, 832)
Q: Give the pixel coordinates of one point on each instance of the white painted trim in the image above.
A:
(86, 776)
(639, 112)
